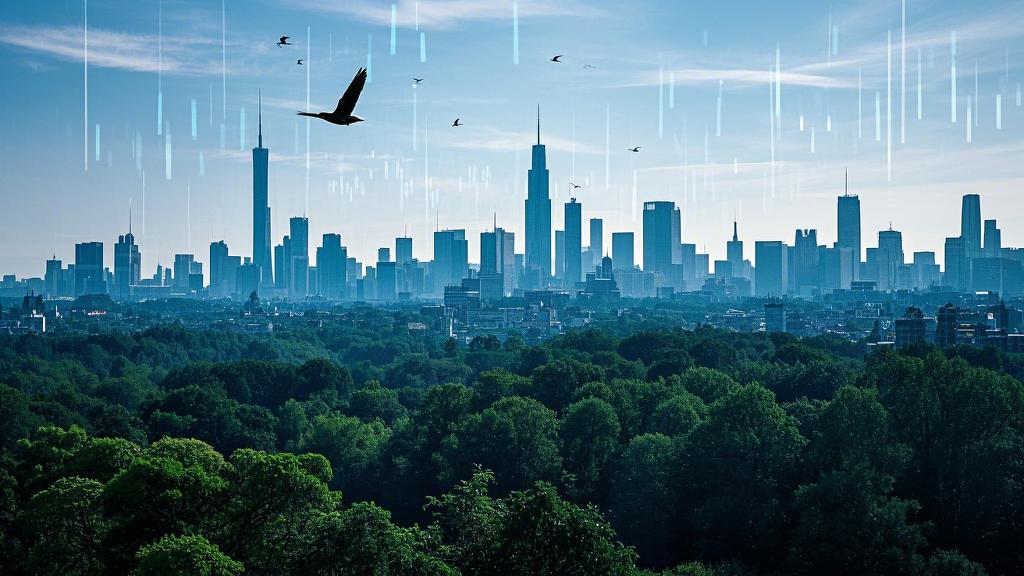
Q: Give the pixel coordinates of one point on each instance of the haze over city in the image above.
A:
(753, 115)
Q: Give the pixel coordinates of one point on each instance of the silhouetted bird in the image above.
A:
(457, 123)
(585, 66)
(575, 186)
(342, 115)
(283, 41)
(417, 80)
(634, 149)
(299, 61)
(557, 58)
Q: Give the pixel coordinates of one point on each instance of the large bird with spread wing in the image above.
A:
(342, 115)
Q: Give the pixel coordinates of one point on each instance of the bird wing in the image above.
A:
(284, 39)
(347, 103)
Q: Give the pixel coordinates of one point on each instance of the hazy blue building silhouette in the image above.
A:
(573, 242)
(127, 265)
(662, 235)
(890, 258)
(560, 255)
(622, 251)
(957, 266)
(993, 240)
(970, 224)
(53, 280)
(331, 260)
(734, 251)
(848, 212)
(596, 242)
(261, 207)
(803, 265)
(89, 275)
(538, 214)
(451, 258)
(403, 250)
(223, 270)
(771, 263)
(386, 272)
(298, 257)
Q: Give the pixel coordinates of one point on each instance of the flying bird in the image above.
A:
(634, 149)
(457, 123)
(417, 80)
(299, 61)
(585, 66)
(342, 115)
(557, 58)
(283, 41)
(575, 186)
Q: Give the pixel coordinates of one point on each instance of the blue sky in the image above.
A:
(660, 68)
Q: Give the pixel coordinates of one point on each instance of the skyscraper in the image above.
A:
(993, 240)
(538, 214)
(451, 258)
(734, 251)
(298, 257)
(127, 265)
(573, 242)
(596, 241)
(89, 277)
(770, 267)
(890, 258)
(261, 208)
(560, 255)
(331, 259)
(403, 250)
(804, 264)
(53, 280)
(662, 236)
(849, 228)
(622, 250)
(957, 266)
(222, 270)
(970, 224)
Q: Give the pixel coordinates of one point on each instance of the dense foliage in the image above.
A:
(361, 447)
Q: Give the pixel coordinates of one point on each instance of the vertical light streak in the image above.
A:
(369, 59)
(415, 104)
(999, 111)
(671, 90)
(919, 108)
(903, 73)
(160, 68)
(888, 107)
(85, 88)
(97, 146)
(308, 66)
(860, 107)
(195, 121)
(771, 127)
(423, 46)
(394, 16)
(718, 111)
(515, 33)
(607, 146)
(976, 99)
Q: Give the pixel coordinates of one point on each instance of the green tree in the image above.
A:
(185, 556)
(67, 526)
(643, 498)
(353, 448)
(590, 440)
(678, 415)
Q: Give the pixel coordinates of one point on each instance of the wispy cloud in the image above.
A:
(186, 55)
(737, 77)
(442, 14)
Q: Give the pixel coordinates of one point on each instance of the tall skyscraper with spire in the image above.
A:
(538, 216)
(970, 224)
(848, 212)
(261, 208)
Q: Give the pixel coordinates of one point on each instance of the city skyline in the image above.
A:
(708, 129)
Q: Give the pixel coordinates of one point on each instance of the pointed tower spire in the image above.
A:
(129, 214)
(260, 116)
(735, 232)
(846, 184)
(538, 124)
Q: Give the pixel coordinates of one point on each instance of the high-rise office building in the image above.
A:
(403, 250)
(622, 251)
(261, 207)
(560, 255)
(220, 270)
(970, 224)
(957, 265)
(538, 215)
(127, 265)
(331, 260)
(573, 242)
(89, 275)
(771, 263)
(451, 258)
(890, 258)
(298, 258)
(383, 254)
(803, 265)
(596, 242)
(734, 250)
(182, 270)
(281, 263)
(506, 248)
(662, 238)
(53, 281)
(993, 240)
(386, 281)
(488, 253)
(848, 213)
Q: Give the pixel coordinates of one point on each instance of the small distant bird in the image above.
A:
(585, 66)
(283, 41)
(457, 123)
(575, 186)
(557, 58)
(634, 149)
(417, 80)
(299, 61)
(342, 115)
